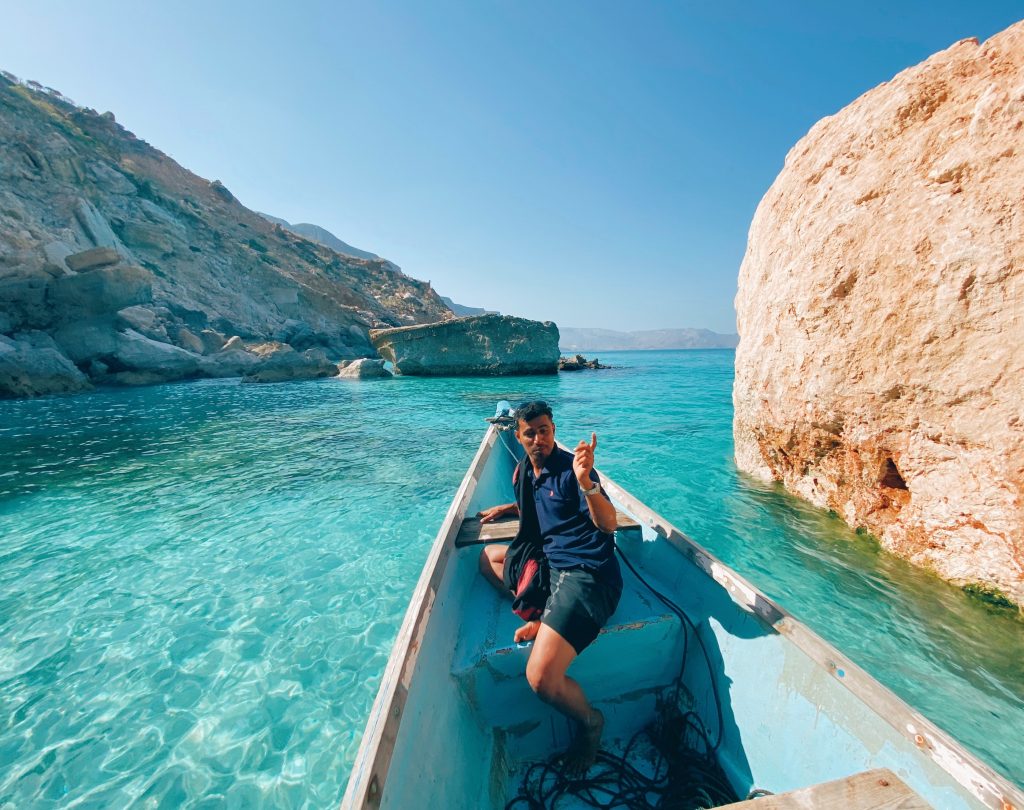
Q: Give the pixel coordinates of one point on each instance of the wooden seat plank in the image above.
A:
(880, 789)
(473, 532)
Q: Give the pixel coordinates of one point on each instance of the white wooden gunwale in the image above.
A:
(990, 788)
(369, 773)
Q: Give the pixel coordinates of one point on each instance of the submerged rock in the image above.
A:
(880, 371)
(478, 345)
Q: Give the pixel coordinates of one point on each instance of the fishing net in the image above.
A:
(670, 765)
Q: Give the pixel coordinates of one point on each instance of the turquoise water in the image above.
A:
(200, 583)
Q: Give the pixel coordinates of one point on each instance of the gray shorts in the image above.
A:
(579, 605)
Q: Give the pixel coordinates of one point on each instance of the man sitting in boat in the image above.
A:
(560, 569)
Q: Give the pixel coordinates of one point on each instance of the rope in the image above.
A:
(683, 777)
(686, 775)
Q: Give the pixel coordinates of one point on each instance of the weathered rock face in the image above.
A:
(578, 363)
(365, 369)
(281, 363)
(32, 365)
(480, 345)
(94, 221)
(880, 371)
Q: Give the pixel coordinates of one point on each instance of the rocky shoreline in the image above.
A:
(120, 267)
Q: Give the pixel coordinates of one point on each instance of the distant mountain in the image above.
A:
(327, 239)
(321, 236)
(463, 311)
(573, 339)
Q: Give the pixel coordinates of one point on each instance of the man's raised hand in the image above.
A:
(583, 461)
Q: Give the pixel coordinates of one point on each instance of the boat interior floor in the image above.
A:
(624, 672)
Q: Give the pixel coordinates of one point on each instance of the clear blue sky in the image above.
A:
(594, 163)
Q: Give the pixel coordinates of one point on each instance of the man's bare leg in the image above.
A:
(545, 671)
(492, 563)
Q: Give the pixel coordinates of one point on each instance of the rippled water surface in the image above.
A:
(200, 583)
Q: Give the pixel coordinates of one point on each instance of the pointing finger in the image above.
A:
(593, 441)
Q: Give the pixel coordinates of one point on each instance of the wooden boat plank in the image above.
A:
(879, 789)
(473, 532)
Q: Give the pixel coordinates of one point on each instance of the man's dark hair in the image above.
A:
(529, 411)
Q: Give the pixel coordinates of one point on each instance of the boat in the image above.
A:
(778, 710)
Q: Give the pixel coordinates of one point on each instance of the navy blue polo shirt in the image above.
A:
(570, 537)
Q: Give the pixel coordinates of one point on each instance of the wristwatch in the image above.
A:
(586, 493)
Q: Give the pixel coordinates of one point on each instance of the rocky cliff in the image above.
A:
(480, 345)
(104, 238)
(880, 370)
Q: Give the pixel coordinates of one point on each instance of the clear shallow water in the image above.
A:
(200, 583)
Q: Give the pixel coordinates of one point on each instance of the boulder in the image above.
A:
(230, 362)
(364, 368)
(190, 341)
(107, 289)
(879, 372)
(87, 339)
(90, 259)
(136, 352)
(578, 363)
(31, 365)
(145, 321)
(284, 363)
(23, 298)
(212, 341)
(55, 255)
(478, 345)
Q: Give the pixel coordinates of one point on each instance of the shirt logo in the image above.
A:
(551, 493)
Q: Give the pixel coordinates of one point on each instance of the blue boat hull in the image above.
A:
(455, 720)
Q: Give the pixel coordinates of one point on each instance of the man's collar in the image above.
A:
(554, 463)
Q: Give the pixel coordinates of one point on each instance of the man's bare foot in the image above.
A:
(583, 751)
(528, 632)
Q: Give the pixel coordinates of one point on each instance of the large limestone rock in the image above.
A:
(364, 368)
(136, 352)
(88, 259)
(279, 362)
(880, 371)
(31, 364)
(478, 345)
(103, 290)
